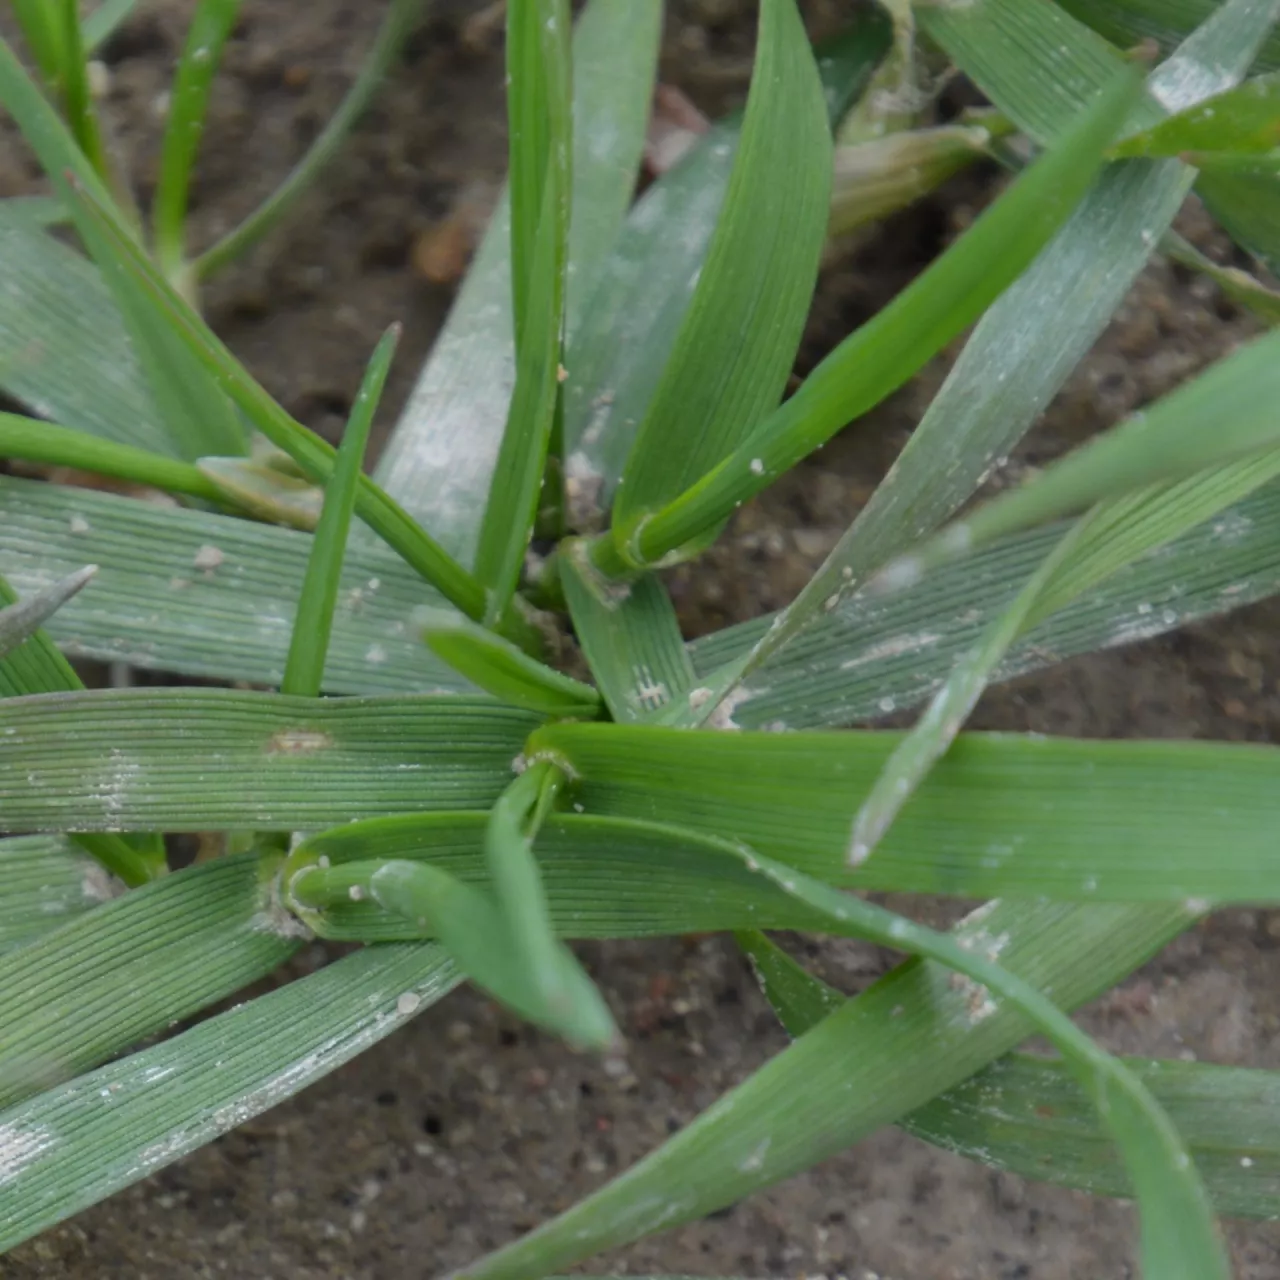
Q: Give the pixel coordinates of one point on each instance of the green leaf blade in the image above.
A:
(738, 338)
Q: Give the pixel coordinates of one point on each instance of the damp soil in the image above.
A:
(467, 1128)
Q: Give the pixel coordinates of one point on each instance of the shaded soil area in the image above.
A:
(467, 1127)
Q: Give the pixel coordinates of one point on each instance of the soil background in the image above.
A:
(467, 1127)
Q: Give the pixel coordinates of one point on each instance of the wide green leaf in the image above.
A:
(998, 815)
(198, 759)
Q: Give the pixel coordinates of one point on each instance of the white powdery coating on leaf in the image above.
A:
(895, 647)
(19, 1149)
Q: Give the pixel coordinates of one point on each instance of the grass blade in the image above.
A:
(439, 462)
(43, 442)
(500, 669)
(99, 26)
(211, 24)
(1029, 1115)
(881, 355)
(1239, 286)
(565, 998)
(912, 758)
(617, 354)
(1243, 119)
(541, 144)
(88, 1139)
(18, 621)
(998, 815)
(1243, 193)
(218, 759)
(737, 341)
(630, 637)
(198, 417)
(1035, 62)
(394, 31)
(132, 967)
(313, 622)
(1165, 21)
(73, 81)
(1225, 415)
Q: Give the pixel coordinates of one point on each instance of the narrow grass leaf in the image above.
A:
(87, 1139)
(18, 621)
(998, 815)
(41, 23)
(540, 128)
(1166, 21)
(73, 83)
(565, 999)
(217, 759)
(912, 758)
(1243, 119)
(29, 440)
(211, 24)
(313, 622)
(64, 352)
(738, 339)
(629, 634)
(510, 675)
(132, 967)
(48, 881)
(881, 355)
(440, 459)
(617, 354)
(521, 471)
(1222, 416)
(396, 27)
(312, 454)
